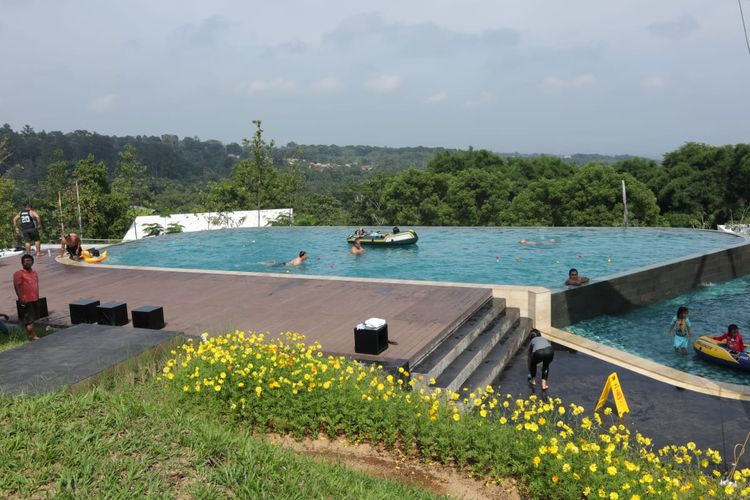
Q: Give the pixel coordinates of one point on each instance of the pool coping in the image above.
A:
(647, 367)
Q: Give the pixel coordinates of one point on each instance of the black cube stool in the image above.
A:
(40, 308)
(148, 317)
(112, 313)
(370, 340)
(83, 311)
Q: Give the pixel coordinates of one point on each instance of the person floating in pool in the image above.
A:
(681, 329)
(540, 351)
(302, 257)
(542, 242)
(732, 339)
(357, 247)
(574, 279)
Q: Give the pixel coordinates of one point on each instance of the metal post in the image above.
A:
(78, 202)
(624, 205)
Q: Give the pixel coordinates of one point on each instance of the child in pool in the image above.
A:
(681, 329)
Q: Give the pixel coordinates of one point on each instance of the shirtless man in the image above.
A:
(574, 279)
(31, 223)
(71, 243)
(302, 257)
(357, 248)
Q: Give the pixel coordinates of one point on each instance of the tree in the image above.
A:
(262, 175)
(130, 181)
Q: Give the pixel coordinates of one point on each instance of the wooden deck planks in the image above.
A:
(322, 309)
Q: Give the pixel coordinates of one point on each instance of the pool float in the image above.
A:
(91, 259)
(711, 350)
(407, 237)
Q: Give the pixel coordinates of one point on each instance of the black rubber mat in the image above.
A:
(73, 355)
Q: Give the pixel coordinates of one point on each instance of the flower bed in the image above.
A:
(287, 386)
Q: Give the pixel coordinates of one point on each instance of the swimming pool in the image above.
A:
(469, 255)
(643, 331)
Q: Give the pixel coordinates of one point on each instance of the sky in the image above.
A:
(638, 77)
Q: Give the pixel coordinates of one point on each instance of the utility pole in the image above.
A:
(78, 202)
(624, 205)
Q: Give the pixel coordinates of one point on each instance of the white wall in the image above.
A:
(205, 221)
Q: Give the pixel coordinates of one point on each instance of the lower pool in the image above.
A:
(643, 331)
(470, 255)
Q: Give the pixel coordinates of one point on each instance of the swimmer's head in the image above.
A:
(302, 254)
(733, 330)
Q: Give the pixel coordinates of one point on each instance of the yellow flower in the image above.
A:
(483, 413)
(217, 387)
(456, 417)
(258, 390)
(566, 467)
(612, 470)
(537, 461)
(592, 467)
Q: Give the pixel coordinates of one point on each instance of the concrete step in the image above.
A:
(454, 344)
(499, 356)
(456, 373)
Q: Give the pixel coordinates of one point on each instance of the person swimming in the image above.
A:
(302, 257)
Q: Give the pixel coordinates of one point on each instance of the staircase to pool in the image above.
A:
(475, 353)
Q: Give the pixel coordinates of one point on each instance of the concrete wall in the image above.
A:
(626, 291)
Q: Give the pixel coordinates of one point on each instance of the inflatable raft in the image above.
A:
(711, 350)
(92, 259)
(407, 237)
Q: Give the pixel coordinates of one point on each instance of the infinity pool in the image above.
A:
(643, 331)
(470, 255)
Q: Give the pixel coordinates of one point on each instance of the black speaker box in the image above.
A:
(148, 317)
(83, 311)
(370, 340)
(112, 313)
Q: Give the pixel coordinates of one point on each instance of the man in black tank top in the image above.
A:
(28, 223)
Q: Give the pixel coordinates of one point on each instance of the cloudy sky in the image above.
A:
(634, 77)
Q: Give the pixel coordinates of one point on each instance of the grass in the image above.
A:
(18, 337)
(122, 440)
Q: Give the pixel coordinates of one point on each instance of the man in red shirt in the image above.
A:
(732, 338)
(26, 283)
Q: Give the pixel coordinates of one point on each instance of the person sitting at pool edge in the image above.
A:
(71, 243)
(732, 339)
(357, 248)
(574, 279)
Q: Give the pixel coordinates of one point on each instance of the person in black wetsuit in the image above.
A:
(30, 224)
(540, 351)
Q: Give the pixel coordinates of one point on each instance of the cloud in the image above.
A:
(415, 40)
(205, 34)
(439, 97)
(653, 82)
(384, 84)
(328, 85)
(483, 99)
(277, 86)
(677, 28)
(103, 103)
(584, 80)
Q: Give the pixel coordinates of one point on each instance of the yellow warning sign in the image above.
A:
(613, 384)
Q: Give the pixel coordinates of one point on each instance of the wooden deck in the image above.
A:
(325, 310)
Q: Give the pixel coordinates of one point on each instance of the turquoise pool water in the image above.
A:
(643, 332)
(470, 255)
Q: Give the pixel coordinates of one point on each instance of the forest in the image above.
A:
(113, 179)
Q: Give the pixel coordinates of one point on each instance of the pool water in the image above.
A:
(470, 255)
(643, 331)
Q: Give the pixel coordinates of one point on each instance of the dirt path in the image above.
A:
(436, 478)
